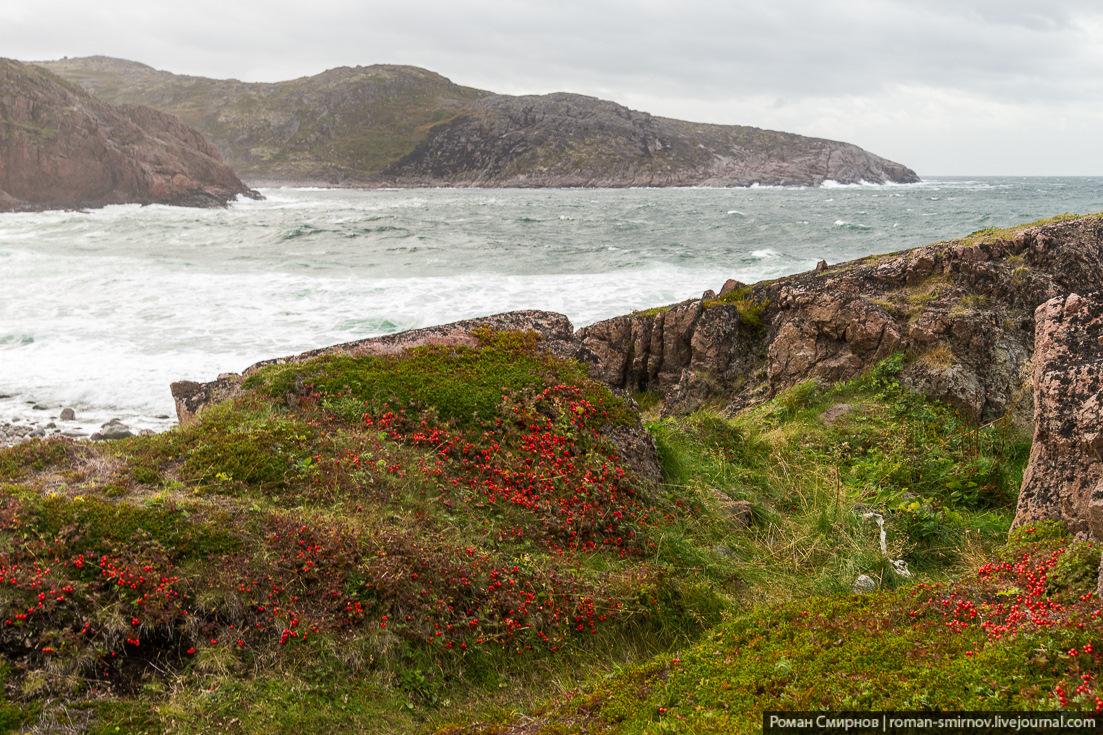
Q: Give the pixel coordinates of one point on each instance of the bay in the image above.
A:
(101, 310)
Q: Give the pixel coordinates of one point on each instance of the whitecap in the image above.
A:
(843, 224)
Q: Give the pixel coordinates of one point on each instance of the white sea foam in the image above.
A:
(100, 311)
(851, 225)
(124, 339)
(765, 253)
(832, 184)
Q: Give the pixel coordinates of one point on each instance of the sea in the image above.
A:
(101, 310)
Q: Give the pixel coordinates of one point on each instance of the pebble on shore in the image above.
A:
(16, 433)
(12, 434)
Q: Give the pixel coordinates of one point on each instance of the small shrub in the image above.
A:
(34, 456)
(751, 312)
(974, 301)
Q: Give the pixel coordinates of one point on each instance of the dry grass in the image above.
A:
(938, 356)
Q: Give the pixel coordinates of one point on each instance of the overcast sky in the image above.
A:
(947, 87)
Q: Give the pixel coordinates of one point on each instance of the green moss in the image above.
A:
(1007, 233)
(123, 717)
(13, 715)
(100, 524)
(656, 310)
(236, 445)
(35, 456)
(284, 704)
(461, 384)
(1076, 570)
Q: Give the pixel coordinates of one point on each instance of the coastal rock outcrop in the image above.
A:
(61, 148)
(963, 309)
(1064, 478)
(634, 445)
(695, 350)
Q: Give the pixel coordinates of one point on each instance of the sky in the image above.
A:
(946, 87)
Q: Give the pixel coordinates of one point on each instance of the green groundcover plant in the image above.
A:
(452, 536)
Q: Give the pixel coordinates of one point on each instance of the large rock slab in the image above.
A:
(1064, 479)
(61, 148)
(962, 309)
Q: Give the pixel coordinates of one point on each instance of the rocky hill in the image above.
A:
(571, 140)
(403, 126)
(60, 147)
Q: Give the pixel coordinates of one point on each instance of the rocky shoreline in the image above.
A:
(17, 433)
(1001, 326)
(64, 424)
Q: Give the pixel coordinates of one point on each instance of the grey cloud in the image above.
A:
(724, 59)
(1005, 48)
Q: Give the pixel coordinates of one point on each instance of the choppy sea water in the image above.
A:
(101, 310)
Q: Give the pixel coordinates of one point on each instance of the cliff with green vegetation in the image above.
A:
(463, 530)
(404, 126)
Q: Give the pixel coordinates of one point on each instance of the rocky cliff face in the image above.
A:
(689, 353)
(572, 140)
(963, 309)
(404, 126)
(1064, 480)
(62, 148)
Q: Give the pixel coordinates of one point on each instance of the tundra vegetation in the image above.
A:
(449, 541)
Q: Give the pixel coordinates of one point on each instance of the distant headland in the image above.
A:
(404, 126)
(62, 148)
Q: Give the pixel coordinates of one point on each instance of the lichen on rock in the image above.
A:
(1064, 480)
